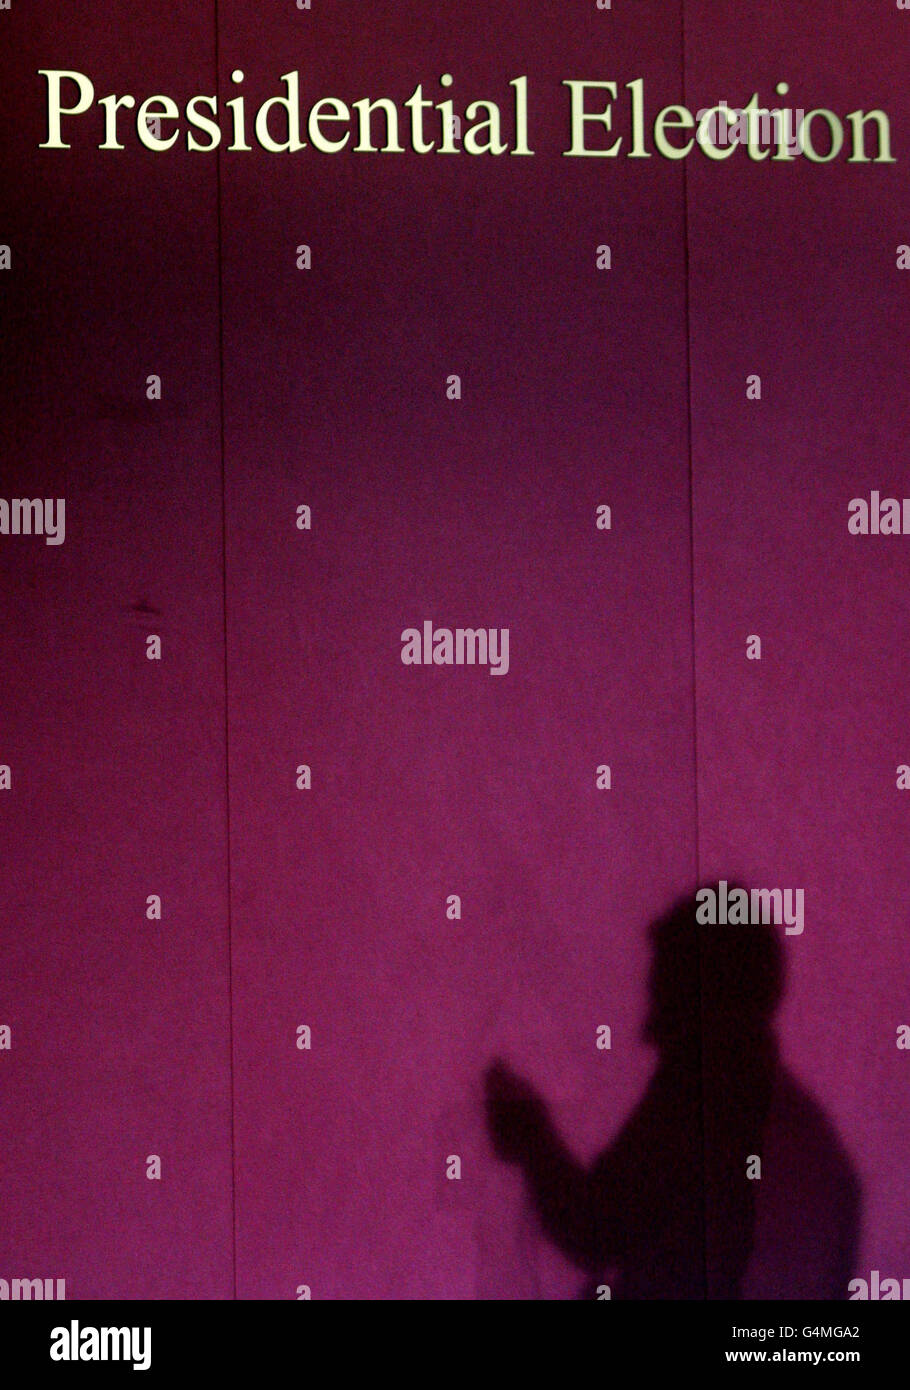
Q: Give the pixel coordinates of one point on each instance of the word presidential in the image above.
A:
(332, 125)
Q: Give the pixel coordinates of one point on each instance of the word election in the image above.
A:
(461, 646)
(740, 907)
(22, 516)
(380, 125)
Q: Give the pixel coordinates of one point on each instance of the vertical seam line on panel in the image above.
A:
(224, 619)
(693, 631)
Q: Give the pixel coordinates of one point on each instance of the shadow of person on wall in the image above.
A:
(669, 1210)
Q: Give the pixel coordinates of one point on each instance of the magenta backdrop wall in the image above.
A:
(131, 1037)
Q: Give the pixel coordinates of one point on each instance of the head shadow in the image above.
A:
(727, 1180)
(710, 980)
